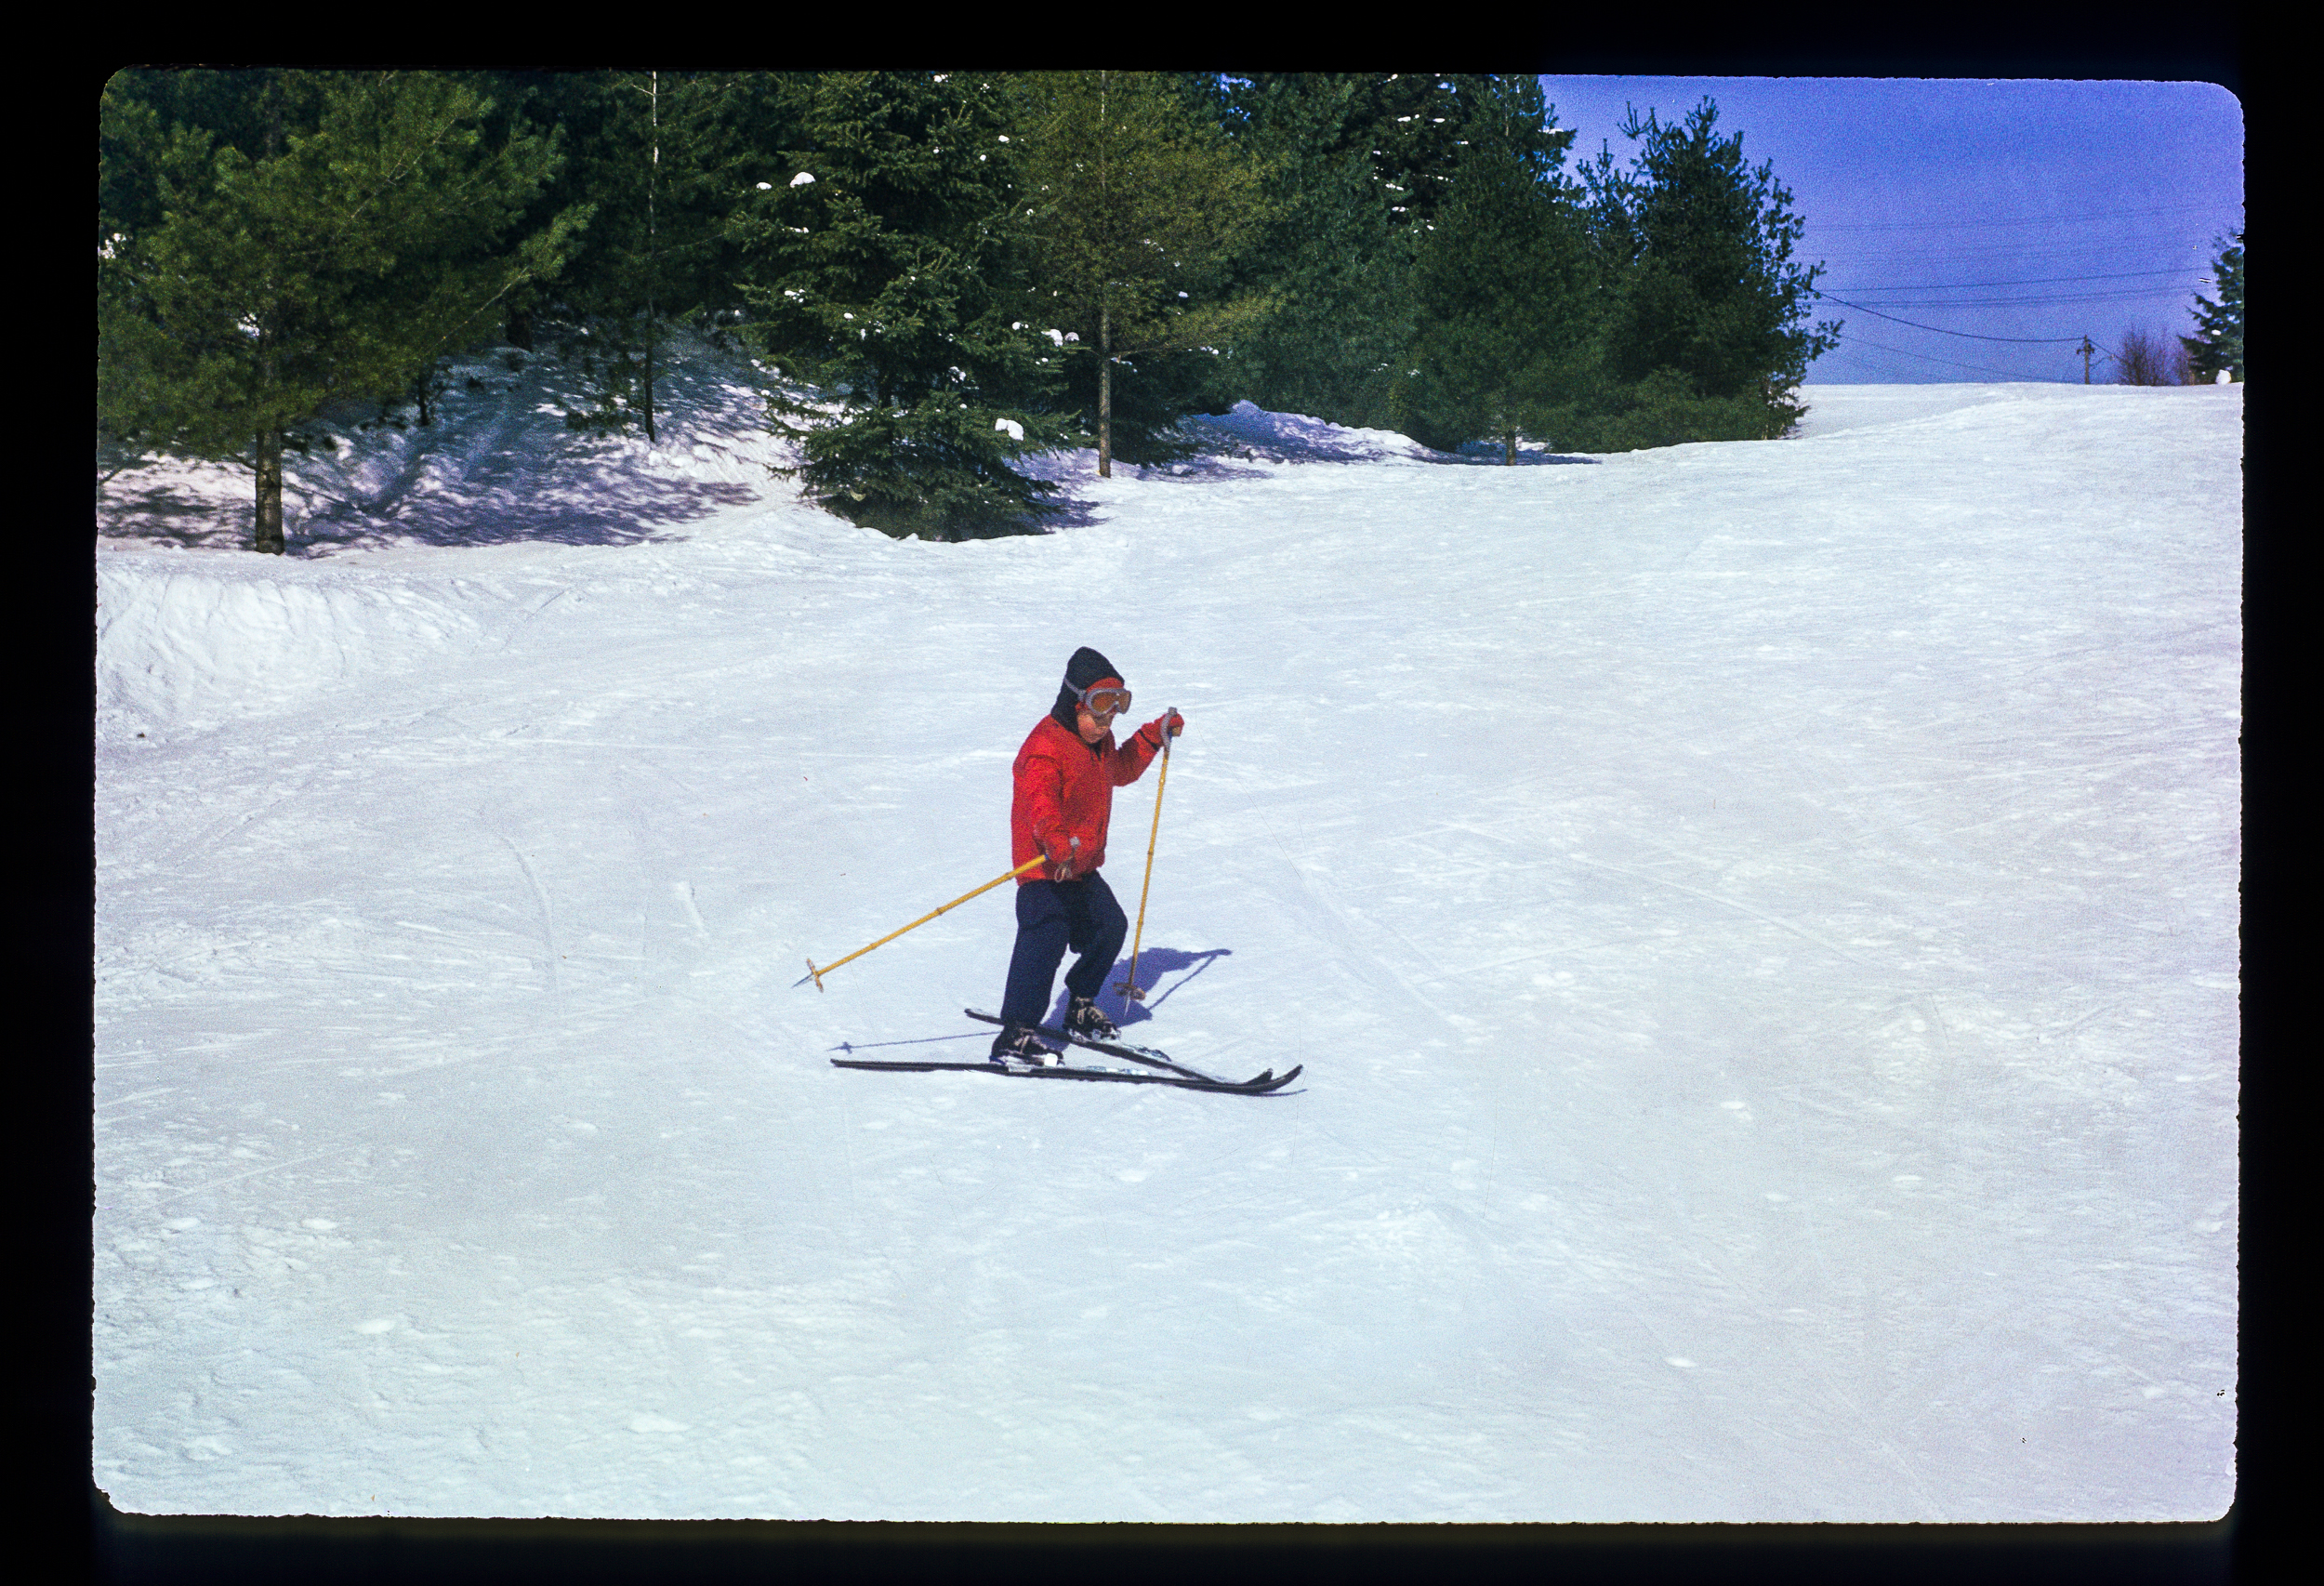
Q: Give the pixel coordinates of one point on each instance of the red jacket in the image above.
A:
(1066, 790)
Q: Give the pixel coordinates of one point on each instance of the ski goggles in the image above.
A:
(1109, 700)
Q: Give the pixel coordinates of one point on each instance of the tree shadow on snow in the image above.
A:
(1154, 963)
(1065, 512)
(621, 511)
(160, 515)
(597, 512)
(1489, 454)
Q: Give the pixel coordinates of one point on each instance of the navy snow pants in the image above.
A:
(1053, 915)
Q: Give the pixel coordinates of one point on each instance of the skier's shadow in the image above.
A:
(1154, 963)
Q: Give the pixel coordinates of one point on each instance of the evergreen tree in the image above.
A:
(1360, 164)
(1148, 398)
(1707, 337)
(1330, 255)
(2217, 345)
(888, 272)
(1410, 130)
(1343, 318)
(1501, 289)
(666, 157)
(272, 241)
(1138, 208)
(1423, 128)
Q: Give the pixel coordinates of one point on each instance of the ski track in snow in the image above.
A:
(1759, 922)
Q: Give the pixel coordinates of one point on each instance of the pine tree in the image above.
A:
(666, 157)
(889, 289)
(1410, 130)
(1360, 164)
(1137, 209)
(1330, 255)
(1423, 128)
(1707, 337)
(273, 241)
(1343, 318)
(1503, 311)
(2217, 345)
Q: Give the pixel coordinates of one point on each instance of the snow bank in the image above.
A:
(184, 642)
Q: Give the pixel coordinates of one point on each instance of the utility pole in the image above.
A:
(2086, 350)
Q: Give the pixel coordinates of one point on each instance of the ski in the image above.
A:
(1265, 1084)
(1136, 1053)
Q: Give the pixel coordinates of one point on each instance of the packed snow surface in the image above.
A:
(1760, 922)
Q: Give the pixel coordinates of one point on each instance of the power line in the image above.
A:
(1949, 362)
(2043, 340)
(2174, 292)
(2027, 221)
(2030, 281)
(2114, 247)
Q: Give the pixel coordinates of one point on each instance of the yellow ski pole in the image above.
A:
(1130, 988)
(816, 974)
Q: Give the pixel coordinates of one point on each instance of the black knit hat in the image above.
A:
(1086, 668)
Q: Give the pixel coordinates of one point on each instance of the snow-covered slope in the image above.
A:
(1758, 919)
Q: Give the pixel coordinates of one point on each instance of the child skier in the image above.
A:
(1065, 776)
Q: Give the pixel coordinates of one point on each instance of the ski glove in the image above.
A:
(1065, 857)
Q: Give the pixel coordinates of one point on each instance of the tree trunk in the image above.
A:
(268, 519)
(652, 251)
(266, 532)
(1105, 394)
(267, 535)
(1105, 321)
(1509, 448)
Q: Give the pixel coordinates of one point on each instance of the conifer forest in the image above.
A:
(938, 274)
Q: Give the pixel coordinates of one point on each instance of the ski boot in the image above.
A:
(1016, 1044)
(1085, 1018)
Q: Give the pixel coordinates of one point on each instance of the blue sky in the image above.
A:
(1986, 209)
